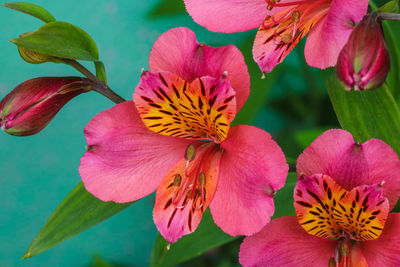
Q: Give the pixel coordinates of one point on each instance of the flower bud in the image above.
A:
(364, 61)
(28, 108)
(34, 57)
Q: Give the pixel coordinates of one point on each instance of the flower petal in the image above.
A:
(336, 154)
(181, 199)
(253, 166)
(324, 209)
(385, 251)
(227, 15)
(178, 51)
(170, 106)
(281, 32)
(330, 34)
(125, 161)
(284, 243)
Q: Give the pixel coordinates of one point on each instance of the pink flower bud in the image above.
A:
(28, 108)
(364, 61)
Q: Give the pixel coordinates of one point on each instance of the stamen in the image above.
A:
(331, 262)
(177, 180)
(296, 16)
(202, 178)
(190, 152)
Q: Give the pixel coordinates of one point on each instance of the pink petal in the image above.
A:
(385, 251)
(227, 15)
(178, 209)
(330, 34)
(284, 243)
(126, 161)
(252, 168)
(178, 51)
(336, 154)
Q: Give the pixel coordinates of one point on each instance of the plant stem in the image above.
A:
(98, 85)
(389, 16)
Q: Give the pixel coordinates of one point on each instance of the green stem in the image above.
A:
(98, 85)
(389, 16)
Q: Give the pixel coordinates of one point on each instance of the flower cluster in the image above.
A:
(175, 135)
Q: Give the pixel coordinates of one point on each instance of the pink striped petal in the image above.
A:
(227, 15)
(284, 243)
(330, 34)
(178, 51)
(385, 251)
(252, 168)
(125, 161)
(335, 153)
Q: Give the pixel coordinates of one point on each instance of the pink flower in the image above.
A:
(282, 24)
(342, 200)
(28, 108)
(175, 138)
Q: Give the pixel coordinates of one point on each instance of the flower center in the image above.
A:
(294, 22)
(189, 186)
(325, 209)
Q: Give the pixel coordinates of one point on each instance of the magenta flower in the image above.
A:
(342, 200)
(28, 108)
(282, 24)
(175, 138)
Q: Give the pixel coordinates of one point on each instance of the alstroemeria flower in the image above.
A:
(175, 137)
(342, 200)
(282, 24)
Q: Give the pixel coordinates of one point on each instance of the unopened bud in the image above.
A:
(28, 108)
(364, 61)
(34, 57)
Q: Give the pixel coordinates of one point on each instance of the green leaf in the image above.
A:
(101, 71)
(60, 39)
(209, 236)
(390, 7)
(206, 237)
(79, 211)
(367, 114)
(32, 9)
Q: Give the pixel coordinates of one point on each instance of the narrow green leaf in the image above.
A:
(101, 71)
(209, 236)
(390, 7)
(79, 211)
(206, 237)
(60, 39)
(367, 114)
(32, 9)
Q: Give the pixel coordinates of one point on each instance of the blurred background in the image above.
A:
(37, 172)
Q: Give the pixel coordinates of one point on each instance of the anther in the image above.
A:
(344, 250)
(177, 180)
(202, 178)
(225, 73)
(286, 38)
(296, 16)
(331, 262)
(142, 70)
(269, 7)
(190, 152)
(382, 183)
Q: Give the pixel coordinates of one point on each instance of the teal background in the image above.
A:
(37, 172)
